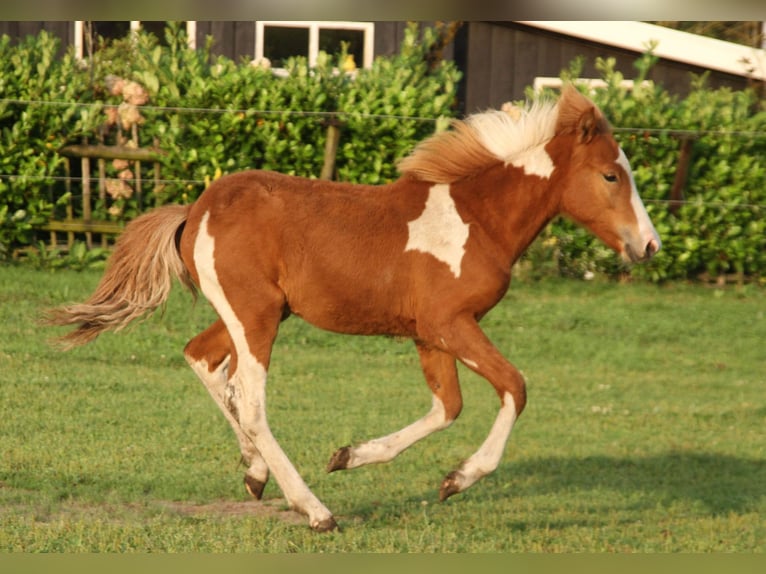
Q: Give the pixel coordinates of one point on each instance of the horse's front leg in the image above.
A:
(209, 355)
(441, 376)
(464, 339)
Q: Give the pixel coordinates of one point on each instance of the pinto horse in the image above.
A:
(424, 257)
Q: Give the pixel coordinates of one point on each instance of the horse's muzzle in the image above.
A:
(650, 250)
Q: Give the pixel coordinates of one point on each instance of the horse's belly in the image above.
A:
(362, 314)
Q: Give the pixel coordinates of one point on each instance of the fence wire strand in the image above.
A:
(689, 133)
(340, 113)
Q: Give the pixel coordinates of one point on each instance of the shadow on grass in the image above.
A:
(721, 483)
(713, 484)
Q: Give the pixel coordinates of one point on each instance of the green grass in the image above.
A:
(644, 431)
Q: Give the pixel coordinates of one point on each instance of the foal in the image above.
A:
(425, 257)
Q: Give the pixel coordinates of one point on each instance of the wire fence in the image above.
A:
(694, 133)
(198, 110)
(340, 115)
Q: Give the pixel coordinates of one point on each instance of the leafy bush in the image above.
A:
(30, 133)
(720, 228)
(208, 116)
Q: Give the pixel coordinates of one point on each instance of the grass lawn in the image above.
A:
(644, 431)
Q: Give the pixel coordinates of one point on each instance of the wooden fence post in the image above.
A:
(330, 148)
(682, 172)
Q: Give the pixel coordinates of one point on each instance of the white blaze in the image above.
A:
(646, 229)
(439, 230)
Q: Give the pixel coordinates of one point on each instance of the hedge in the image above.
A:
(208, 116)
(719, 229)
(211, 115)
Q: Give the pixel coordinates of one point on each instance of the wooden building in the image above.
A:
(499, 60)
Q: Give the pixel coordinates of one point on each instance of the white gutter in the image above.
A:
(672, 45)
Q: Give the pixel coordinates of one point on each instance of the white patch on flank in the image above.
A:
(204, 260)
(519, 140)
(439, 230)
(387, 447)
(646, 230)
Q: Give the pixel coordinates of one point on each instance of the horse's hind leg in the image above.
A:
(441, 375)
(209, 354)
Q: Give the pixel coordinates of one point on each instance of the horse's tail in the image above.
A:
(137, 280)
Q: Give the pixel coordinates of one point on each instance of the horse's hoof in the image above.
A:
(254, 486)
(339, 460)
(326, 525)
(450, 485)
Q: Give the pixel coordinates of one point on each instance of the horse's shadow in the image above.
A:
(715, 484)
(721, 483)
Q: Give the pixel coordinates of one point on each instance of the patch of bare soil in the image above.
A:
(272, 508)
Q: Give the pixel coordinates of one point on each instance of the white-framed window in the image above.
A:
(85, 31)
(277, 41)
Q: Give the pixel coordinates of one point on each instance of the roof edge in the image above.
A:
(701, 51)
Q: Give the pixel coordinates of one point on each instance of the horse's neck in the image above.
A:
(513, 210)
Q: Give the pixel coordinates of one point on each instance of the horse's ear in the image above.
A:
(578, 115)
(589, 125)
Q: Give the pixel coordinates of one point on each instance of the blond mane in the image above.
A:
(479, 141)
(484, 139)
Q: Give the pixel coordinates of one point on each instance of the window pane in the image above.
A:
(158, 29)
(330, 42)
(110, 30)
(281, 43)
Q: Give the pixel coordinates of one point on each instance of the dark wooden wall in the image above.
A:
(500, 59)
(235, 40)
(390, 35)
(19, 30)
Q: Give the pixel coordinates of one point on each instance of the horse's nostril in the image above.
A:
(652, 248)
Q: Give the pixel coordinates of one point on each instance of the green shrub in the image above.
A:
(30, 133)
(208, 116)
(720, 228)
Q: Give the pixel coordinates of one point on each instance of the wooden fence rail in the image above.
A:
(85, 224)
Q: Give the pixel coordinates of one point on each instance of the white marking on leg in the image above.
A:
(439, 230)
(215, 383)
(248, 388)
(385, 448)
(487, 458)
(473, 364)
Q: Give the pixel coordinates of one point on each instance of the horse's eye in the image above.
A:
(610, 177)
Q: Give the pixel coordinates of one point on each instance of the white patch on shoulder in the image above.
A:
(439, 230)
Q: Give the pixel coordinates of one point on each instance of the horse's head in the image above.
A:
(597, 186)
